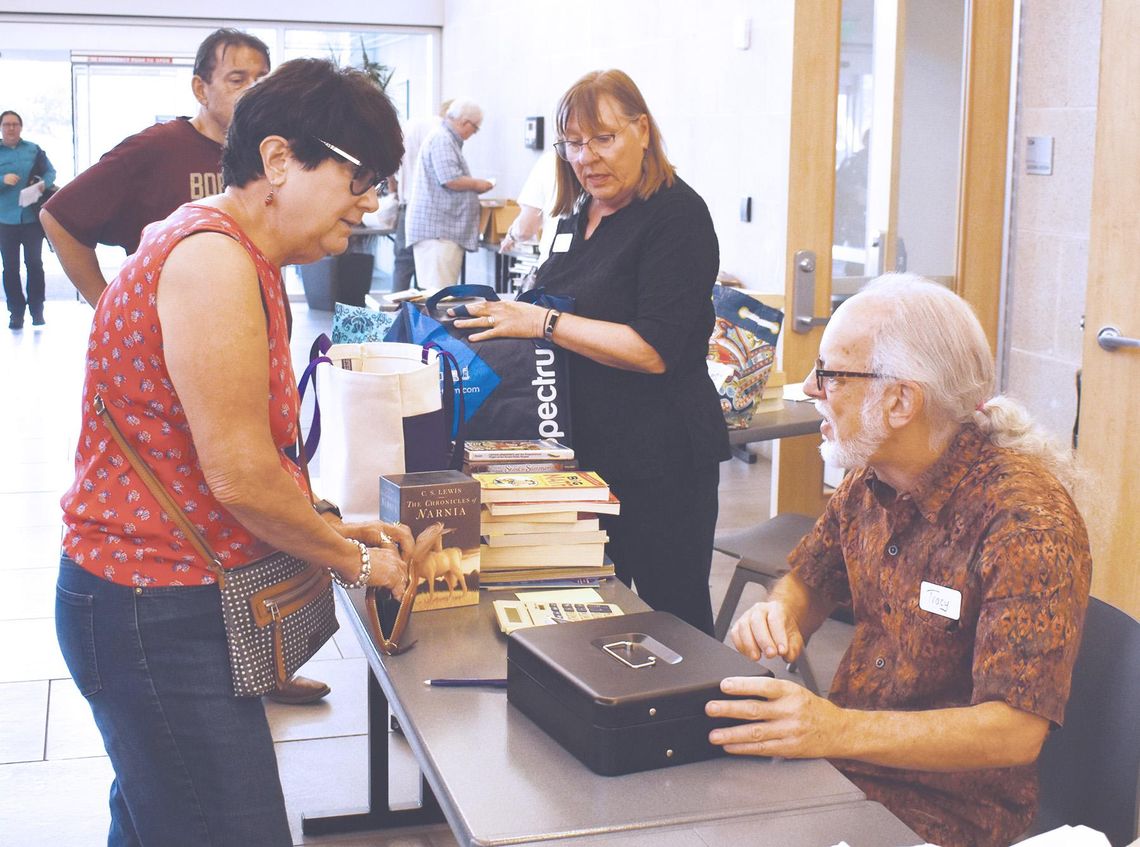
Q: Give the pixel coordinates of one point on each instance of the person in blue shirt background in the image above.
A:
(19, 226)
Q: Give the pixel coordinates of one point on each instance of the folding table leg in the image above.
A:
(380, 815)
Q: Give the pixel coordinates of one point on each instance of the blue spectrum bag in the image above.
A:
(513, 387)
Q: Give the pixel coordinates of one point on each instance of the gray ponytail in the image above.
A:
(928, 334)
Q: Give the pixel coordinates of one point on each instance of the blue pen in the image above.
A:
(466, 682)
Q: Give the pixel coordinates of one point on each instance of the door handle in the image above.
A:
(1109, 338)
(803, 293)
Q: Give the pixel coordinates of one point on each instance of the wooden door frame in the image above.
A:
(982, 197)
(797, 469)
(1111, 381)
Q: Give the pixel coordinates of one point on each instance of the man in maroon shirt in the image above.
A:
(965, 562)
(149, 175)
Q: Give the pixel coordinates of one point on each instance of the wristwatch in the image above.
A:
(551, 321)
(325, 506)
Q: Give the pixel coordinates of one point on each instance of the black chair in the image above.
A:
(762, 552)
(1089, 769)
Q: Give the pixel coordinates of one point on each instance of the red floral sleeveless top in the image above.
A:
(114, 527)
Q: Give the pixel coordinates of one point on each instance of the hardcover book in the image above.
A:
(515, 451)
(542, 487)
(449, 575)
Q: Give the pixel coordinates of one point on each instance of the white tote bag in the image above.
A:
(379, 411)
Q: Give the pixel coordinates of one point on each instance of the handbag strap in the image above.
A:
(155, 487)
(163, 496)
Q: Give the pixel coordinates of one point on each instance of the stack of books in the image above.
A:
(534, 456)
(541, 530)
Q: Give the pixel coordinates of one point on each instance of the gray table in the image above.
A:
(498, 779)
(797, 417)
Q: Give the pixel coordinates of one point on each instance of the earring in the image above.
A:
(269, 197)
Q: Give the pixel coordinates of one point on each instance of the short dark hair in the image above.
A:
(10, 112)
(307, 99)
(207, 58)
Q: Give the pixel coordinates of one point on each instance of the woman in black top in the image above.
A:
(637, 250)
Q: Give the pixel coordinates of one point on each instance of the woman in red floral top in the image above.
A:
(189, 350)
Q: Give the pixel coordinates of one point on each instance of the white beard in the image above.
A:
(856, 452)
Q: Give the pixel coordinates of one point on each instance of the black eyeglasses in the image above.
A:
(821, 373)
(363, 177)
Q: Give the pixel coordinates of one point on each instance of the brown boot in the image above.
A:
(299, 690)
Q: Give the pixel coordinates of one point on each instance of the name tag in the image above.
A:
(562, 242)
(940, 600)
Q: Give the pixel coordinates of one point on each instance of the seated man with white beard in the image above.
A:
(966, 564)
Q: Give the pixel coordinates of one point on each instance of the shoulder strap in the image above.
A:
(155, 488)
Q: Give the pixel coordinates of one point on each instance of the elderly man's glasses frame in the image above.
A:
(822, 373)
(568, 150)
(363, 177)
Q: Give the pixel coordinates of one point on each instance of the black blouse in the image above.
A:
(650, 265)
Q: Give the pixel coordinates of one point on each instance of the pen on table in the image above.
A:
(466, 682)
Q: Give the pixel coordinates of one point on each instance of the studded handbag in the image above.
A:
(278, 610)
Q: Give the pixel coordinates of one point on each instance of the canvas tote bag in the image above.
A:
(379, 410)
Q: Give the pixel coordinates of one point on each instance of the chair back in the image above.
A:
(1089, 769)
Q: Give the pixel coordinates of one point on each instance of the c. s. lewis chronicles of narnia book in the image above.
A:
(449, 574)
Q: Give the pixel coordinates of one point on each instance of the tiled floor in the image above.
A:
(54, 774)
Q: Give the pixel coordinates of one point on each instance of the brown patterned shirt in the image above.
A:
(995, 526)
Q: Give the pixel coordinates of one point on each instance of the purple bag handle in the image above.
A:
(452, 388)
(317, 356)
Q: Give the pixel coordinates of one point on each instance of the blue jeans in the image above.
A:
(194, 765)
(30, 237)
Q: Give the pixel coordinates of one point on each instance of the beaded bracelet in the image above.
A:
(365, 568)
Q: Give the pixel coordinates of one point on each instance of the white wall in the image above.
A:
(724, 112)
(404, 12)
(1048, 262)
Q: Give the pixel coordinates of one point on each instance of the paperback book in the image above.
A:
(523, 539)
(542, 487)
(446, 502)
(543, 556)
(520, 527)
(525, 466)
(607, 506)
(516, 451)
(512, 575)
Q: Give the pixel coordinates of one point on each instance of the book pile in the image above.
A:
(772, 400)
(445, 506)
(533, 456)
(541, 530)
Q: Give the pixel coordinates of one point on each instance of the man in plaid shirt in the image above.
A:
(443, 216)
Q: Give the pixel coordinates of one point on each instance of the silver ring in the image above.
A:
(490, 320)
(385, 538)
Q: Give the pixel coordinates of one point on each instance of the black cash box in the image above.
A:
(625, 693)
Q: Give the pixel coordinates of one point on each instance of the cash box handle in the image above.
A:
(627, 646)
